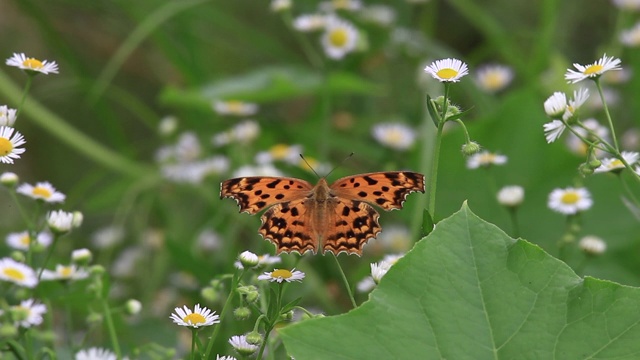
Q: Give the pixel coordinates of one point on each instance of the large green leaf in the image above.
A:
(468, 291)
(274, 83)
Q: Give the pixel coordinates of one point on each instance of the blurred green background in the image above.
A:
(125, 65)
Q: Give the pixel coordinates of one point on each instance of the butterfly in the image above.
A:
(335, 218)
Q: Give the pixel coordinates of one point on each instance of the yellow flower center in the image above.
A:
(338, 37)
(5, 146)
(281, 273)
(394, 137)
(42, 192)
(493, 81)
(66, 271)
(340, 4)
(194, 318)
(25, 240)
(279, 151)
(33, 63)
(447, 73)
(570, 197)
(235, 106)
(593, 69)
(616, 164)
(14, 274)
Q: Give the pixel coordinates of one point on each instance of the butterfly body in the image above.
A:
(336, 218)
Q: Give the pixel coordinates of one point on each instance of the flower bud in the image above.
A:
(248, 259)
(81, 256)
(242, 313)
(133, 306)
(470, 148)
(210, 294)
(9, 179)
(254, 338)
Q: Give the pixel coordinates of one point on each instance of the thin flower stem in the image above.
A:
(234, 284)
(48, 256)
(27, 87)
(513, 215)
(467, 138)
(628, 191)
(607, 114)
(345, 281)
(194, 333)
(111, 328)
(436, 154)
(434, 171)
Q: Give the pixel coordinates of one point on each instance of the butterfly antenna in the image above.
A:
(341, 162)
(309, 165)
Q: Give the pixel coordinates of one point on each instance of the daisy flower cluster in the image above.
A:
(339, 37)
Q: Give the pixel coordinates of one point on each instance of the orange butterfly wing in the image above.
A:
(255, 193)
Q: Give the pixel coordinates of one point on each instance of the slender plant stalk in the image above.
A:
(345, 281)
(234, 284)
(607, 114)
(108, 316)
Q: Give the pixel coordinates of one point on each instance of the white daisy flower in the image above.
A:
(9, 179)
(556, 105)
(447, 70)
(245, 131)
(17, 273)
(310, 22)
(41, 191)
(379, 269)
(570, 201)
(9, 144)
(335, 5)
(107, 237)
(394, 135)
(218, 357)
(280, 152)
(574, 104)
(615, 165)
(485, 159)
(493, 78)
(395, 238)
(196, 318)
(62, 272)
(592, 245)
(259, 170)
(22, 240)
(95, 353)
(340, 38)
(553, 130)
(631, 37)
(281, 275)
(511, 196)
(167, 125)
(365, 285)
(627, 4)
(60, 221)
(596, 69)
(30, 313)
(381, 15)
(208, 240)
(7, 116)
(280, 5)
(31, 64)
(235, 107)
(241, 345)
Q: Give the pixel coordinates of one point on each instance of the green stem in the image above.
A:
(48, 256)
(194, 333)
(27, 87)
(513, 215)
(234, 284)
(345, 281)
(434, 171)
(607, 114)
(111, 328)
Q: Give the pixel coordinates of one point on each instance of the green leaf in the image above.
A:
(290, 305)
(275, 83)
(427, 223)
(432, 111)
(468, 291)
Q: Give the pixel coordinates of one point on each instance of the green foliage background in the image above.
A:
(91, 130)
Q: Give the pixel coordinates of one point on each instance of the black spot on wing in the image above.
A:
(370, 180)
(362, 194)
(260, 204)
(279, 196)
(273, 184)
(345, 211)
